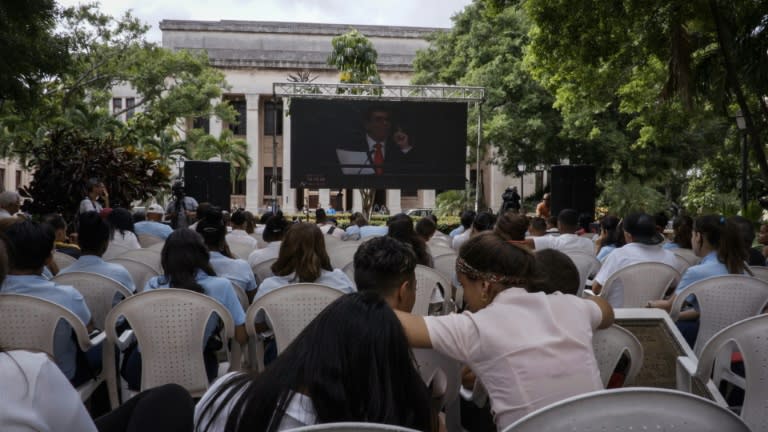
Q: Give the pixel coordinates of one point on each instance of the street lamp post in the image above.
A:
(521, 169)
(742, 125)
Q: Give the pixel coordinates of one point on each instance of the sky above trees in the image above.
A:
(426, 13)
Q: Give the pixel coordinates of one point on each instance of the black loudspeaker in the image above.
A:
(573, 186)
(208, 182)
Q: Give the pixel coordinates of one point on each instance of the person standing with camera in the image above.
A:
(182, 209)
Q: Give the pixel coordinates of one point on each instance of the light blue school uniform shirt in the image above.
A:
(236, 270)
(457, 231)
(153, 228)
(373, 230)
(708, 267)
(670, 245)
(604, 251)
(218, 288)
(94, 264)
(336, 279)
(64, 348)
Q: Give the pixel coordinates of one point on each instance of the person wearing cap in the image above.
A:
(643, 244)
(568, 241)
(154, 225)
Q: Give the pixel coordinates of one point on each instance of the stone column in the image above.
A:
(324, 198)
(215, 124)
(253, 179)
(428, 198)
(393, 201)
(357, 201)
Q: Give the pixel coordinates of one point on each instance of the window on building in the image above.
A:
(239, 182)
(203, 123)
(268, 181)
(272, 125)
(240, 108)
(129, 104)
(117, 105)
(2, 178)
(409, 193)
(18, 179)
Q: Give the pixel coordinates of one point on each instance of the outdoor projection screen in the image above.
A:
(422, 144)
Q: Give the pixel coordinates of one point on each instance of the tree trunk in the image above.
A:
(724, 37)
(367, 194)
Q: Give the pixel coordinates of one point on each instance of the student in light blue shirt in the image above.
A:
(32, 245)
(153, 224)
(214, 232)
(718, 241)
(186, 265)
(93, 236)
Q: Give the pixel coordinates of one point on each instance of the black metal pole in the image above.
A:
(744, 163)
(522, 192)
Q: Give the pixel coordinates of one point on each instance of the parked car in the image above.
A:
(419, 212)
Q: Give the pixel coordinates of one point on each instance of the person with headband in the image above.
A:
(718, 242)
(528, 349)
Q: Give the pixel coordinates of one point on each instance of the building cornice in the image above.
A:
(297, 28)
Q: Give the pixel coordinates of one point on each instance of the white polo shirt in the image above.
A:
(565, 243)
(626, 255)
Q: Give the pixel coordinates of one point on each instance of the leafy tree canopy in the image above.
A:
(74, 104)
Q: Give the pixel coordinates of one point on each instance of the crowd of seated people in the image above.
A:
(520, 307)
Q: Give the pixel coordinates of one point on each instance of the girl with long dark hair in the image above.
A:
(351, 363)
(719, 243)
(185, 262)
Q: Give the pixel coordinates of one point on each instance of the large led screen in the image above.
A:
(387, 145)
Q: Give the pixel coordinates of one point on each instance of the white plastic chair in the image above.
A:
(140, 273)
(242, 296)
(169, 326)
(115, 250)
(150, 257)
(157, 247)
(437, 250)
(331, 242)
(349, 270)
(587, 265)
(446, 264)
(29, 323)
(688, 255)
(342, 254)
(147, 240)
(444, 374)
(426, 282)
(610, 344)
(723, 300)
(631, 409)
(760, 272)
(62, 260)
(240, 250)
(436, 241)
(263, 269)
(749, 338)
(289, 309)
(99, 292)
(352, 427)
(641, 282)
(682, 264)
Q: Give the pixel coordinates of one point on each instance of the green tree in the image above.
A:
(74, 105)
(671, 72)
(30, 51)
(355, 58)
(518, 117)
(226, 148)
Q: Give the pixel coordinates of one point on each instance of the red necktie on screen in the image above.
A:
(378, 158)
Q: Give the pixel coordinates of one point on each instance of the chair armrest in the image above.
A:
(685, 371)
(588, 293)
(98, 339)
(126, 339)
